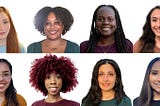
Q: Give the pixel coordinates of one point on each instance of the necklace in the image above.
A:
(53, 49)
(105, 49)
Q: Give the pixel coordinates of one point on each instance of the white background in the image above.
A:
(132, 12)
(133, 66)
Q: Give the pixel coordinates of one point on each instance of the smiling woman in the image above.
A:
(150, 92)
(53, 23)
(106, 86)
(52, 75)
(8, 37)
(106, 35)
(149, 42)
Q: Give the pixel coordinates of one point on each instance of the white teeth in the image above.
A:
(1, 85)
(52, 32)
(106, 29)
(53, 89)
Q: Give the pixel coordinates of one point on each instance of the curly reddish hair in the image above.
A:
(51, 63)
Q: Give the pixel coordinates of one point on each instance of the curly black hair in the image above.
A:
(61, 13)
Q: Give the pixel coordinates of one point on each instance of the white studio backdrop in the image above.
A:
(133, 67)
(132, 12)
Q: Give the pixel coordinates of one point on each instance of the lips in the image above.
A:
(52, 32)
(53, 89)
(1, 33)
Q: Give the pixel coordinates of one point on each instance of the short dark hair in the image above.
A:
(61, 13)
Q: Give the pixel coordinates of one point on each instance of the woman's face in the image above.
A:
(53, 27)
(106, 22)
(154, 78)
(5, 77)
(53, 84)
(106, 78)
(4, 26)
(155, 22)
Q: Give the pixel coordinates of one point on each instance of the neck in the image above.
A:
(156, 96)
(3, 42)
(52, 99)
(108, 95)
(106, 40)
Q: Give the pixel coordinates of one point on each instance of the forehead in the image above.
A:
(3, 14)
(106, 68)
(155, 13)
(156, 66)
(105, 11)
(4, 67)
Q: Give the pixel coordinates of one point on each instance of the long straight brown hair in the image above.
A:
(12, 45)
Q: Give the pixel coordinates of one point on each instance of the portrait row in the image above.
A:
(79, 79)
(106, 34)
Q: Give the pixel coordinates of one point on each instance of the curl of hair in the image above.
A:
(10, 94)
(148, 37)
(61, 13)
(51, 63)
(94, 95)
(120, 39)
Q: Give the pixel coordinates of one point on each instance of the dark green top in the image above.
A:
(125, 102)
(36, 47)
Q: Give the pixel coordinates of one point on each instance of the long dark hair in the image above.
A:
(148, 37)
(94, 95)
(10, 94)
(146, 94)
(120, 39)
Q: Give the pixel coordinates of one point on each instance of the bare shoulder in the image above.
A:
(137, 46)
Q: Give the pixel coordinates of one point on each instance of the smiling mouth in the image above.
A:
(1, 33)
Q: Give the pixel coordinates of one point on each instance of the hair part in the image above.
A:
(120, 39)
(94, 95)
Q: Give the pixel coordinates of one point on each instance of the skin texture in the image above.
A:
(53, 27)
(106, 80)
(154, 80)
(5, 78)
(106, 22)
(53, 84)
(155, 22)
(4, 27)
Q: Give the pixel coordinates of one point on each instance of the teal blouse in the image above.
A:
(125, 102)
(36, 47)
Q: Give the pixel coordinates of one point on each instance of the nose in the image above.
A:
(105, 78)
(1, 77)
(53, 80)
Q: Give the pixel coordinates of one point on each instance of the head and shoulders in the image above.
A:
(8, 34)
(150, 92)
(106, 30)
(106, 86)
(54, 80)
(53, 23)
(149, 42)
(8, 93)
